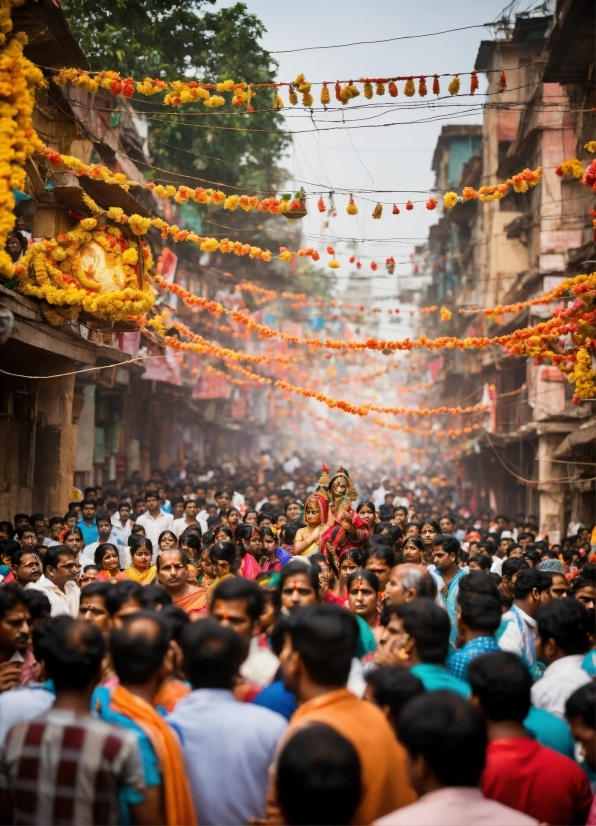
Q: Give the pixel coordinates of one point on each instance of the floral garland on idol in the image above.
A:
(180, 92)
(91, 269)
(18, 139)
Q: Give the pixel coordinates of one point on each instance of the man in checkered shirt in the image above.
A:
(67, 767)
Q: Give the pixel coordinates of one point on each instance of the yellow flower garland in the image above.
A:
(18, 139)
(55, 271)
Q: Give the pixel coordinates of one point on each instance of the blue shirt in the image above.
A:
(458, 662)
(449, 601)
(283, 556)
(589, 663)
(550, 731)
(228, 748)
(435, 678)
(276, 697)
(90, 532)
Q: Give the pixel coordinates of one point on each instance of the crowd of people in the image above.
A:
(223, 646)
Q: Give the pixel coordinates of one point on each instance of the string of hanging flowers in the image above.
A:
(179, 92)
(18, 138)
(520, 183)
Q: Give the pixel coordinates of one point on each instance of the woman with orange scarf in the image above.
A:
(140, 569)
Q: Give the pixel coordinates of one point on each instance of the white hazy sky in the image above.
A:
(390, 158)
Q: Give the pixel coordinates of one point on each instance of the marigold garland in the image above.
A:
(180, 92)
(52, 270)
(571, 167)
(18, 139)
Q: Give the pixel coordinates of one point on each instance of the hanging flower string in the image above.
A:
(285, 204)
(179, 92)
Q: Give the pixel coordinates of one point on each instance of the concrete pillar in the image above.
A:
(551, 492)
(55, 445)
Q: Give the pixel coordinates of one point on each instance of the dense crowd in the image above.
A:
(277, 645)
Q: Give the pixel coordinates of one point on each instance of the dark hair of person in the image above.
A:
(9, 547)
(288, 532)
(96, 589)
(225, 552)
(155, 595)
(137, 531)
(241, 589)
(176, 618)
(322, 559)
(582, 703)
(213, 654)
(122, 592)
(73, 651)
(325, 637)
(525, 535)
(18, 553)
(366, 503)
(393, 686)
(134, 542)
(318, 778)
(227, 531)
(429, 626)
(101, 551)
(297, 567)
(578, 583)
(433, 523)
(529, 579)
(415, 540)
(380, 551)
(56, 520)
(367, 576)
(449, 544)
(480, 612)
(8, 527)
(151, 493)
(192, 539)
(164, 533)
(394, 532)
(476, 583)
(502, 684)
(268, 531)
(495, 577)
(265, 514)
(103, 517)
(568, 623)
(10, 597)
(23, 530)
(292, 502)
(513, 565)
(449, 733)
(19, 516)
(37, 602)
(248, 512)
(354, 554)
(88, 502)
(53, 554)
(448, 517)
(72, 531)
(138, 653)
(484, 561)
(208, 539)
(411, 525)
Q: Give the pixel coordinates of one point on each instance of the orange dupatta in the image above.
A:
(145, 578)
(179, 806)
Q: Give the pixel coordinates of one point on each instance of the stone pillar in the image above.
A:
(55, 443)
(551, 492)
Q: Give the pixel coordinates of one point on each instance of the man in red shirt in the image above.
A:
(519, 772)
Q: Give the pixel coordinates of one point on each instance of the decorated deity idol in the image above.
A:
(316, 510)
(343, 529)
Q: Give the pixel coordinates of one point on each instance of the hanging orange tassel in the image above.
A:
(352, 259)
(436, 85)
(380, 88)
(351, 208)
(325, 97)
(422, 90)
(409, 88)
(373, 265)
(358, 264)
(431, 203)
(330, 250)
(338, 92)
(321, 204)
(377, 211)
(368, 89)
(392, 88)
(395, 209)
(293, 96)
(474, 84)
(502, 82)
(409, 205)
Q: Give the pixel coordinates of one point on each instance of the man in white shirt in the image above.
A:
(563, 641)
(378, 495)
(154, 521)
(189, 518)
(60, 569)
(106, 534)
(122, 523)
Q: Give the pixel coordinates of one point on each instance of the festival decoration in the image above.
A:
(18, 138)
(90, 268)
(178, 92)
(571, 167)
(520, 183)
